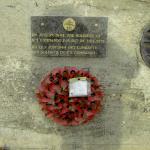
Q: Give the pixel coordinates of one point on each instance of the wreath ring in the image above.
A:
(53, 96)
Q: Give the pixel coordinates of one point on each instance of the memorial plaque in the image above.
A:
(69, 36)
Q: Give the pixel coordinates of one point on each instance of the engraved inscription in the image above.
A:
(67, 36)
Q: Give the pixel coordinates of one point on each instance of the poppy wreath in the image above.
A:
(53, 96)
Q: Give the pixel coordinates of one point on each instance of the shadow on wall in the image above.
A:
(104, 132)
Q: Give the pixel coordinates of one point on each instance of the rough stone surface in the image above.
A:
(125, 121)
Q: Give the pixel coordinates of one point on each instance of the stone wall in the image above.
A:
(124, 122)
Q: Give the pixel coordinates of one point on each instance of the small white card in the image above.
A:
(79, 87)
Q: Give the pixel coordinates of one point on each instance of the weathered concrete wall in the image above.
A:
(125, 121)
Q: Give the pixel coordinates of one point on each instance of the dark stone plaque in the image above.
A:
(69, 36)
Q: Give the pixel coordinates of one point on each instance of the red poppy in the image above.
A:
(53, 96)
